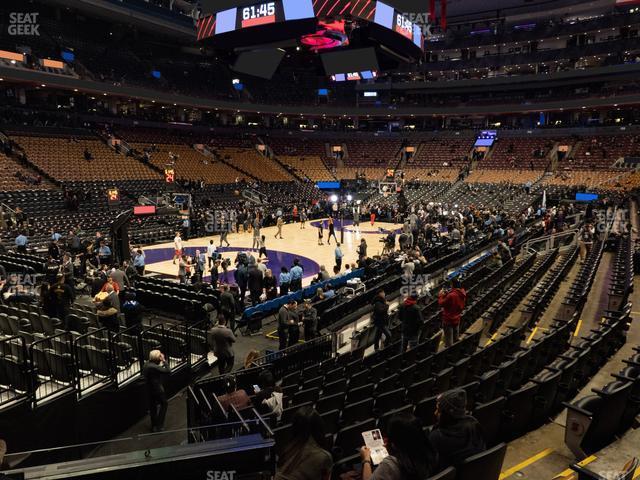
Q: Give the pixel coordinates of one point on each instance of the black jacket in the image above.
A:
(411, 318)
(155, 375)
(380, 314)
(255, 279)
(457, 441)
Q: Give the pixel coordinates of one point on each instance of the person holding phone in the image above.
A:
(155, 372)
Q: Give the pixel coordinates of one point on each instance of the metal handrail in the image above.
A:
(549, 240)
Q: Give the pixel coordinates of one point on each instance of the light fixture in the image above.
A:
(334, 198)
(349, 198)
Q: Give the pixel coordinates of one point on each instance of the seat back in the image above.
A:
(448, 474)
(483, 466)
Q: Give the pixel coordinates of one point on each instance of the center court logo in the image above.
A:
(24, 24)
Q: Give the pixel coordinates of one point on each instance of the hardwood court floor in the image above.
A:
(296, 243)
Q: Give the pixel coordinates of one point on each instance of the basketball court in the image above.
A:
(301, 243)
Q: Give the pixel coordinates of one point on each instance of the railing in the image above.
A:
(561, 241)
(126, 351)
(94, 361)
(52, 367)
(298, 356)
(154, 338)
(187, 344)
(15, 376)
(248, 455)
(197, 344)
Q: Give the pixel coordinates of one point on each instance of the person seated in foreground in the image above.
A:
(235, 397)
(411, 455)
(456, 435)
(304, 458)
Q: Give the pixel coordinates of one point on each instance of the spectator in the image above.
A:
(452, 303)
(456, 435)
(255, 284)
(212, 253)
(269, 398)
(242, 278)
(106, 310)
(233, 396)
(411, 454)
(62, 295)
(155, 371)
(319, 295)
(250, 359)
(119, 276)
(104, 253)
(411, 320)
(21, 242)
(323, 275)
(285, 319)
(222, 340)
(380, 319)
(296, 275)
(227, 305)
(113, 284)
(47, 300)
(309, 320)
(303, 457)
(133, 311)
(339, 255)
(362, 249)
(285, 281)
(269, 285)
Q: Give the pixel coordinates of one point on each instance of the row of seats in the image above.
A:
(594, 420)
(511, 297)
(545, 290)
(60, 158)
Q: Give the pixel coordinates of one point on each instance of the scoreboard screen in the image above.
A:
(403, 26)
(113, 197)
(169, 175)
(262, 13)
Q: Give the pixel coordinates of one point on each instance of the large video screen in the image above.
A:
(262, 13)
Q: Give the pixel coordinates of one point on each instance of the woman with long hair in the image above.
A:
(411, 455)
(304, 458)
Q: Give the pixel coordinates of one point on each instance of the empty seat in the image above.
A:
(483, 466)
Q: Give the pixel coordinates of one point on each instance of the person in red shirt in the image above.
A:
(452, 303)
(113, 283)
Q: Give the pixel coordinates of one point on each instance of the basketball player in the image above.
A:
(279, 224)
(332, 232)
(177, 247)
